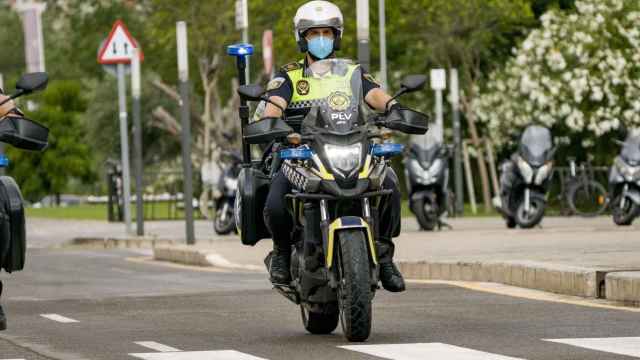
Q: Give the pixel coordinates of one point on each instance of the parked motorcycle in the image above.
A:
(624, 182)
(427, 175)
(336, 166)
(526, 178)
(225, 193)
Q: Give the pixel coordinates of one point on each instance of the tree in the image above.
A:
(68, 157)
(579, 74)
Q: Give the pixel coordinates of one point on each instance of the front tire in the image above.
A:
(228, 225)
(626, 215)
(427, 216)
(588, 199)
(536, 212)
(354, 291)
(321, 323)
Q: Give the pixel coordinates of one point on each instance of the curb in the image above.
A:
(187, 255)
(555, 278)
(623, 287)
(116, 243)
(615, 284)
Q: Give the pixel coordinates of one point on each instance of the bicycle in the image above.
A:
(584, 195)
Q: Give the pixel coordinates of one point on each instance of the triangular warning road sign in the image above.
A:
(117, 49)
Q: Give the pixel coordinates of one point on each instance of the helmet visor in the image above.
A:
(307, 24)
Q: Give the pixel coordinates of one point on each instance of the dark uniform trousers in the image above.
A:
(280, 223)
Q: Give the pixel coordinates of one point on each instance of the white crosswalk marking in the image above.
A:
(629, 346)
(156, 346)
(425, 351)
(198, 355)
(59, 318)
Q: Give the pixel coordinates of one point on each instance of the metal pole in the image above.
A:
(364, 51)
(245, 38)
(457, 141)
(241, 63)
(438, 130)
(383, 44)
(124, 146)
(183, 72)
(137, 140)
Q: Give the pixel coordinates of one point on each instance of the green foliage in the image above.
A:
(68, 156)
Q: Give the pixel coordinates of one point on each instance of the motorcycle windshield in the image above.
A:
(536, 144)
(631, 150)
(336, 107)
(426, 148)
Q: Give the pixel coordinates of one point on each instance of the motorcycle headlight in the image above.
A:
(543, 173)
(525, 170)
(629, 173)
(436, 167)
(345, 160)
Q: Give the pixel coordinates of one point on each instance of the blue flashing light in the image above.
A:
(387, 150)
(296, 154)
(240, 50)
(4, 161)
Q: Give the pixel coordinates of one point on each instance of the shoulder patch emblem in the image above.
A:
(303, 87)
(371, 78)
(276, 83)
(292, 66)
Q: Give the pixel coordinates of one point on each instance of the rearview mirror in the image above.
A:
(251, 92)
(413, 83)
(29, 83)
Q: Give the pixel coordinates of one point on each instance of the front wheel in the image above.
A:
(531, 218)
(426, 214)
(224, 223)
(354, 291)
(588, 199)
(624, 216)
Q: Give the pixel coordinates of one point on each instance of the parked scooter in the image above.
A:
(427, 175)
(525, 179)
(624, 182)
(225, 193)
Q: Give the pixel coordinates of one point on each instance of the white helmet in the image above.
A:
(317, 14)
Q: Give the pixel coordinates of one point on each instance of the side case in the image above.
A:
(253, 187)
(12, 225)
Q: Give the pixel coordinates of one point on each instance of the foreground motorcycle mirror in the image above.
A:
(251, 92)
(413, 83)
(29, 83)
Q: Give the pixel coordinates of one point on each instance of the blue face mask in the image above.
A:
(321, 47)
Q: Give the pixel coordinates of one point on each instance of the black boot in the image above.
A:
(3, 319)
(391, 278)
(279, 270)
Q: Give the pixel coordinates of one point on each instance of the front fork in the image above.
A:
(527, 200)
(623, 197)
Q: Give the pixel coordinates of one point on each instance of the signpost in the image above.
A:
(362, 20)
(118, 50)
(457, 140)
(137, 140)
(183, 78)
(439, 83)
(267, 53)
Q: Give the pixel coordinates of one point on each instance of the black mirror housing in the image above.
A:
(266, 130)
(29, 83)
(413, 83)
(251, 92)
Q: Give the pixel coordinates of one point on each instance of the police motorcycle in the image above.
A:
(530, 173)
(336, 164)
(624, 182)
(23, 134)
(427, 177)
(225, 192)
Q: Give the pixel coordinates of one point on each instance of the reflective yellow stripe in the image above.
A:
(337, 225)
(366, 170)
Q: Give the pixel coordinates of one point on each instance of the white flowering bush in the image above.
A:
(578, 74)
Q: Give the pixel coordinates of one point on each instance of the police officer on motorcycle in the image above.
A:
(318, 31)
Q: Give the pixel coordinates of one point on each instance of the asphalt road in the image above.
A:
(99, 305)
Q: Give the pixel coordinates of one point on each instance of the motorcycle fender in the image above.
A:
(343, 223)
(634, 195)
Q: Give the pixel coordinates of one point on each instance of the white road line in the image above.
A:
(423, 351)
(156, 346)
(629, 346)
(59, 318)
(198, 355)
